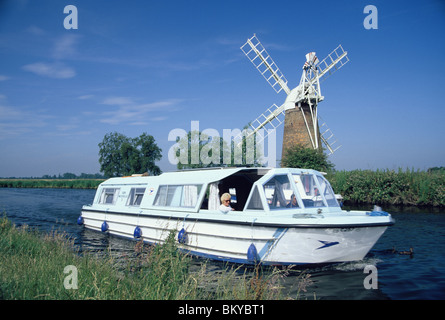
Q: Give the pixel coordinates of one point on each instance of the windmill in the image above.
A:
(299, 112)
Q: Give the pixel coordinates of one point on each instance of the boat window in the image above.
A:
(326, 190)
(109, 195)
(178, 196)
(135, 196)
(279, 193)
(308, 189)
(255, 201)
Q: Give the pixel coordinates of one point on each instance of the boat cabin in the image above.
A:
(252, 190)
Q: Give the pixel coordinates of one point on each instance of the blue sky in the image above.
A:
(153, 66)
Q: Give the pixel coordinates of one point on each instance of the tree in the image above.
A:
(200, 150)
(248, 152)
(120, 155)
(69, 175)
(149, 152)
(307, 158)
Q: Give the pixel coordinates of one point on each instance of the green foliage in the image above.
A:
(165, 269)
(306, 158)
(51, 183)
(436, 169)
(388, 187)
(249, 153)
(120, 155)
(32, 267)
(199, 150)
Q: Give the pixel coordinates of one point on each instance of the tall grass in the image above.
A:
(390, 187)
(32, 267)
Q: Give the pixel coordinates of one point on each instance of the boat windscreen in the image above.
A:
(279, 193)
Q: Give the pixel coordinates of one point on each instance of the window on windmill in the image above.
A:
(135, 196)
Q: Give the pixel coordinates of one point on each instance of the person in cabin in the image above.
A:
(293, 202)
(225, 203)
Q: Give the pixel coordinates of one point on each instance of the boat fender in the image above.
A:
(137, 232)
(104, 227)
(252, 254)
(80, 220)
(182, 236)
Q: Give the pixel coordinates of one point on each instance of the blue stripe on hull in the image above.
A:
(270, 243)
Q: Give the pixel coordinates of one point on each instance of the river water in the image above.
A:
(399, 277)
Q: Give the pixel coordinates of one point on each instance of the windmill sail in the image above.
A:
(257, 54)
(328, 137)
(333, 61)
(269, 120)
(272, 118)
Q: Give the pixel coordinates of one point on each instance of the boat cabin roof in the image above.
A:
(252, 189)
(198, 176)
(206, 175)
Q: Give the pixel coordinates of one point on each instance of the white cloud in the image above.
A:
(135, 114)
(65, 47)
(34, 30)
(118, 101)
(66, 127)
(3, 78)
(14, 121)
(52, 70)
(158, 118)
(9, 113)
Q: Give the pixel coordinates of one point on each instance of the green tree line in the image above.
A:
(66, 175)
(51, 183)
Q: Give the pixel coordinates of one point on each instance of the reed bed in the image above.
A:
(51, 183)
(32, 266)
(390, 187)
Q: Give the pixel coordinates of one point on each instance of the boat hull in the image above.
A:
(273, 244)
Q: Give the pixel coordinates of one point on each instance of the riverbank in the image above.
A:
(51, 183)
(390, 187)
(46, 266)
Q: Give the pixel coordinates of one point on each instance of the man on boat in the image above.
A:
(293, 202)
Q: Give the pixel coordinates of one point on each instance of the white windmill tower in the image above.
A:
(299, 111)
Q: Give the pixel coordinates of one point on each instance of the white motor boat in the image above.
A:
(281, 216)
